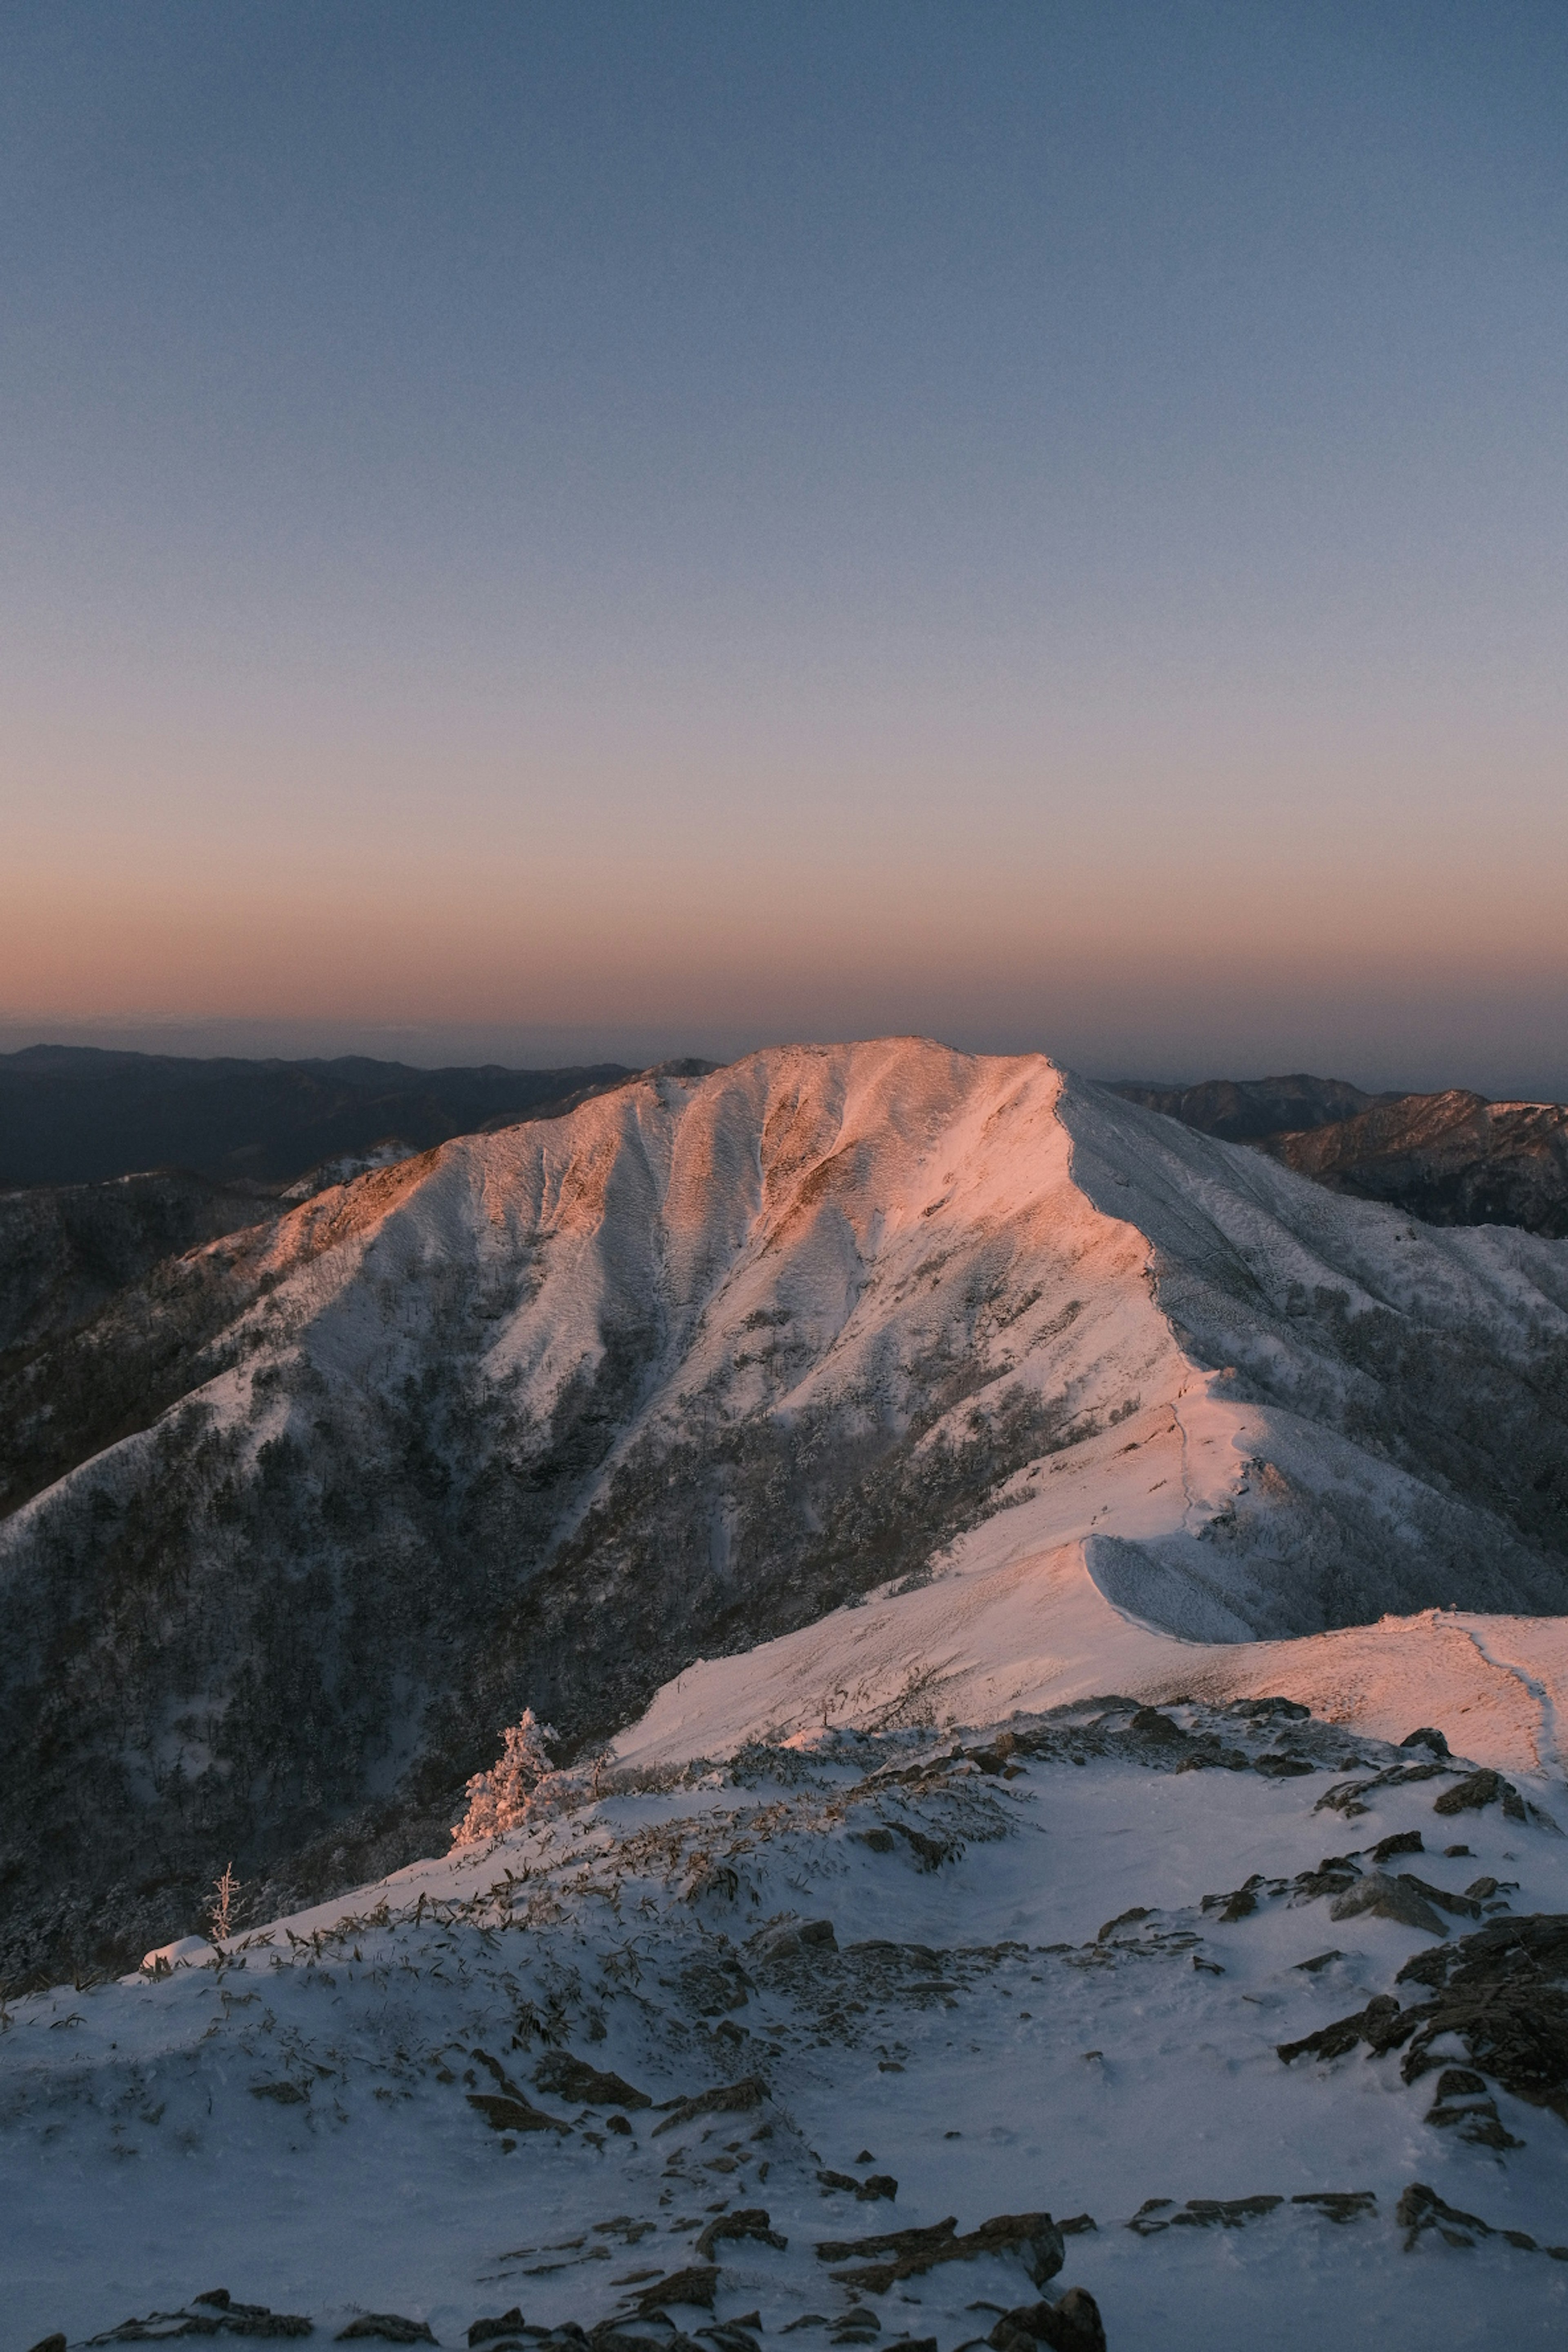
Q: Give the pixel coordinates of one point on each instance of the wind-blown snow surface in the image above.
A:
(544, 1416)
(1019, 2003)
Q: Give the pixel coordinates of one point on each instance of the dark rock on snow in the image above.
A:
(388, 2327)
(569, 2078)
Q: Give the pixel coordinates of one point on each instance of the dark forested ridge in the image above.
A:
(1247, 1110)
(1452, 1159)
(78, 1115)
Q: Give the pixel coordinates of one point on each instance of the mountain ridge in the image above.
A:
(81, 1114)
(543, 1417)
(1450, 1157)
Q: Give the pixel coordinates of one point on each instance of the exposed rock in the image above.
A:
(1282, 1767)
(892, 2241)
(931, 1853)
(795, 1936)
(715, 1982)
(569, 2078)
(1428, 1736)
(751, 2221)
(215, 2313)
(859, 2324)
(1334, 1874)
(1402, 1842)
(1345, 1797)
(1072, 2324)
(1463, 1907)
(1478, 2123)
(733, 2334)
(1348, 1797)
(725, 2098)
(876, 2185)
(1400, 1899)
(1502, 1990)
(619, 2335)
(695, 2285)
(1157, 2213)
(389, 2326)
(909, 1956)
(509, 2114)
(1376, 2024)
(1420, 2207)
(1222, 2212)
(485, 2331)
(1156, 1726)
(1340, 2204)
(1035, 2236)
(1478, 1790)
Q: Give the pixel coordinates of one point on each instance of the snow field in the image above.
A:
(295, 2123)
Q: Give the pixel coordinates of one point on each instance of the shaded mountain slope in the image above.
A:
(543, 1416)
(67, 1251)
(1452, 1159)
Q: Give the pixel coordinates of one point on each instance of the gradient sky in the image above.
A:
(531, 529)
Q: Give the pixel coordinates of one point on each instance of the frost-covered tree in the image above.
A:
(500, 1799)
(221, 1906)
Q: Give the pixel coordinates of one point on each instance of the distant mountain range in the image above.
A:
(1452, 1159)
(299, 1520)
(76, 1115)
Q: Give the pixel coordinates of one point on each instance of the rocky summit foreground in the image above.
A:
(1208, 2026)
(1212, 2021)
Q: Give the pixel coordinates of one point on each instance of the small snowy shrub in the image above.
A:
(221, 1907)
(503, 1798)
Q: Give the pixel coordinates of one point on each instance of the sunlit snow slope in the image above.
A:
(546, 1416)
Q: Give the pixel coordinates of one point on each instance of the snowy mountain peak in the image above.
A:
(544, 1416)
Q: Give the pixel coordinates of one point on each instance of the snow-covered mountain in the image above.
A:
(546, 1416)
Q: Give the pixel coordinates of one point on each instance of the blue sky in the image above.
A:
(1040, 524)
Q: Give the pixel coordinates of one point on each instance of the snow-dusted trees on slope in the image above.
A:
(500, 1799)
